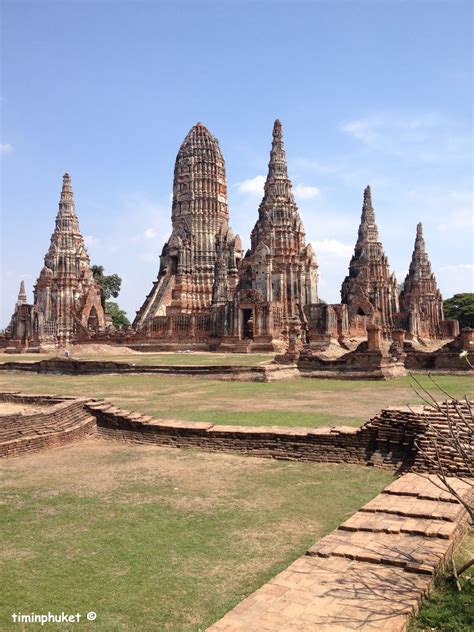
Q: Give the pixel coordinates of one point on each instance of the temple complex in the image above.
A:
(209, 295)
(67, 299)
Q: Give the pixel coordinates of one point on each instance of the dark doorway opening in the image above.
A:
(93, 320)
(247, 323)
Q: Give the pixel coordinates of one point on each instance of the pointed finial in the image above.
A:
(419, 241)
(21, 294)
(367, 195)
(368, 213)
(66, 191)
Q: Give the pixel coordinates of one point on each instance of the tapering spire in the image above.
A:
(21, 294)
(420, 266)
(419, 241)
(66, 293)
(67, 196)
(369, 286)
(278, 188)
(277, 167)
(368, 231)
(420, 294)
(368, 213)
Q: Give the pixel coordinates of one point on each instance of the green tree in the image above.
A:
(109, 284)
(460, 307)
(117, 315)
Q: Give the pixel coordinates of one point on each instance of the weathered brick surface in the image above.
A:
(62, 421)
(388, 440)
(62, 366)
(369, 574)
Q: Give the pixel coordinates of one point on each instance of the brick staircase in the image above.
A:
(369, 574)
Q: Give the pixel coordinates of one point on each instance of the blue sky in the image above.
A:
(369, 92)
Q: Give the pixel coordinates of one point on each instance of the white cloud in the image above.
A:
(253, 186)
(6, 148)
(151, 233)
(332, 249)
(458, 219)
(457, 267)
(91, 241)
(428, 137)
(306, 192)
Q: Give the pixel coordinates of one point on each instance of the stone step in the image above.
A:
(414, 507)
(393, 523)
(428, 487)
(413, 554)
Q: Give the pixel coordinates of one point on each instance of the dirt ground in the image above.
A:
(9, 408)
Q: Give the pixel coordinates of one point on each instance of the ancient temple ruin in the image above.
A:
(67, 301)
(209, 295)
(420, 299)
(198, 264)
(370, 289)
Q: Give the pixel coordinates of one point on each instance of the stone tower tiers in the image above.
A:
(420, 297)
(280, 265)
(370, 290)
(198, 264)
(66, 297)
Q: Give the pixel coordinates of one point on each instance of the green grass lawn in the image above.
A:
(447, 609)
(297, 402)
(159, 539)
(174, 359)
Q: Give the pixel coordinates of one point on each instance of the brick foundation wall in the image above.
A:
(395, 439)
(373, 444)
(63, 421)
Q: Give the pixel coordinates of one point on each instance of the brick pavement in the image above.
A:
(370, 574)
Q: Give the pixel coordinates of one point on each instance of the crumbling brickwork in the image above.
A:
(67, 300)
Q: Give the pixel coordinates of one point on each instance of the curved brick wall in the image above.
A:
(401, 439)
(388, 440)
(61, 421)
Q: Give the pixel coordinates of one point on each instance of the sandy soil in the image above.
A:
(97, 349)
(8, 408)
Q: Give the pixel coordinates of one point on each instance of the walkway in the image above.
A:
(369, 574)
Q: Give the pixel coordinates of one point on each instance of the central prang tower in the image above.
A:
(201, 235)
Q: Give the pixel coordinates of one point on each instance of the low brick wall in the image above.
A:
(396, 439)
(373, 444)
(390, 439)
(63, 421)
(62, 366)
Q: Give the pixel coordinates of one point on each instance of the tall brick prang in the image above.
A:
(370, 289)
(280, 264)
(201, 236)
(67, 298)
(420, 298)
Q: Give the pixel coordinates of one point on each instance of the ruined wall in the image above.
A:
(388, 440)
(61, 422)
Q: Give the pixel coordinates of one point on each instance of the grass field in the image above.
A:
(447, 609)
(146, 359)
(159, 539)
(297, 402)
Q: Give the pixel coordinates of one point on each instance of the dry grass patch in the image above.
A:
(157, 538)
